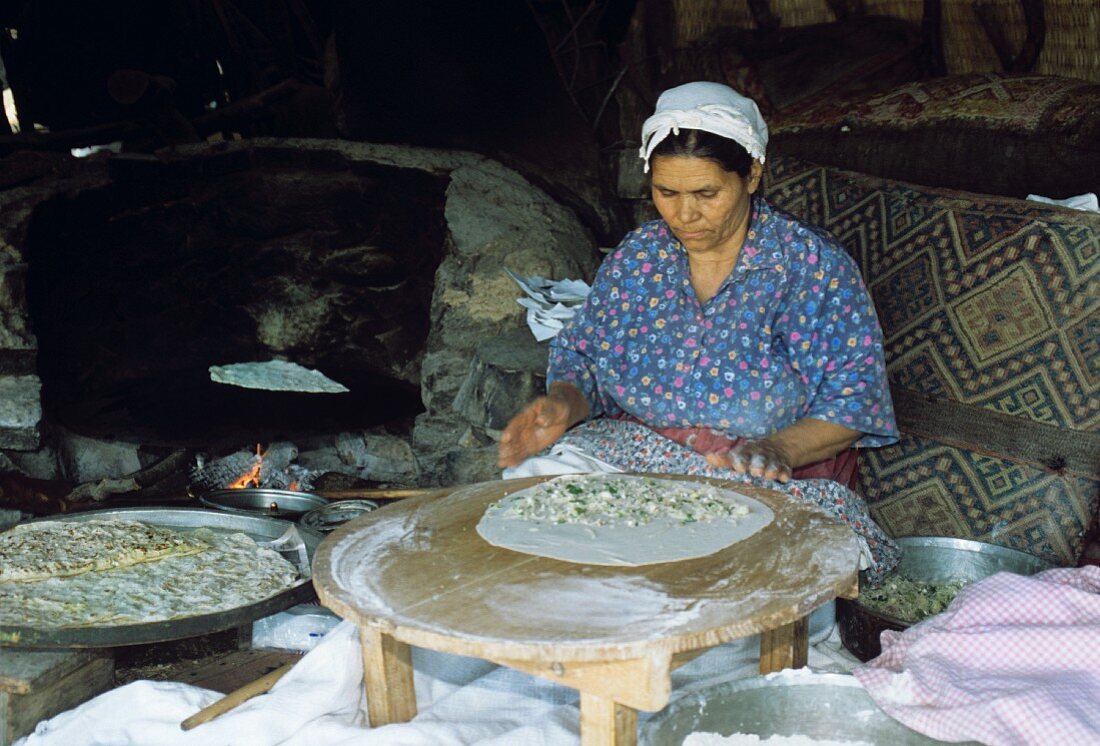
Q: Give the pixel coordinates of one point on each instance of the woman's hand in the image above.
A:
(777, 456)
(760, 458)
(541, 423)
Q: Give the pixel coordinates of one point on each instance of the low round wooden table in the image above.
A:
(417, 573)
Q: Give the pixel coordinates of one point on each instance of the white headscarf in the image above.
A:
(711, 107)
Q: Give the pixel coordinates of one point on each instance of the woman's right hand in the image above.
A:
(541, 423)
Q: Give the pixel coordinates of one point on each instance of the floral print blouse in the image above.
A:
(791, 333)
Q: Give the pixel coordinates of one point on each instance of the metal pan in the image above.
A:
(930, 559)
(263, 502)
(259, 528)
(789, 703)
(335, 514)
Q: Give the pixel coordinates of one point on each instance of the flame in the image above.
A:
(250, 478)
(294, 487)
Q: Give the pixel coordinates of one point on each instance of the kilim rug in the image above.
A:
(991, 133)
(991, 314)
(985, 101)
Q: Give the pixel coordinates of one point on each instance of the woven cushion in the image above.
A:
(990, 133)
(790, 68)
(801, 65)
(919, 487)
(987, 303)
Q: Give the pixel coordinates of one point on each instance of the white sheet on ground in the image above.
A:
(320, 701)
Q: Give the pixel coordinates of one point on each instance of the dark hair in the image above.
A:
(730, 155)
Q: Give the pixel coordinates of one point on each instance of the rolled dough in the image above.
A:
(662, 539)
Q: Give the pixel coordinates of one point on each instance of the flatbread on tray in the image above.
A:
(156, 574)
(622, 520)
(49, 549)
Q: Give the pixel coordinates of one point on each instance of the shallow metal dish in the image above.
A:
(929, 559)
(336, 513)
(825, 706)
(265, 502)
(258, 527)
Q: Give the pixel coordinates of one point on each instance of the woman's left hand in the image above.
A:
(760, 458)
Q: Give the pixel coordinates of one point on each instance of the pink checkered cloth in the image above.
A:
(1013, 660)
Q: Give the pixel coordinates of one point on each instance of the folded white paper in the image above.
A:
(1086, 201)
(549, 303)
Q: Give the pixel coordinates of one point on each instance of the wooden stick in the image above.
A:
(383, 493)
(236, 697)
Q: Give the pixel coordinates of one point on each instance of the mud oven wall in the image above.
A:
(123, 278)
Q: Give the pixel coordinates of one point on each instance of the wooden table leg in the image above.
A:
(785, 647)
(387, 678)
(605, 722)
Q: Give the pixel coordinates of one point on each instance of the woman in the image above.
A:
(724, 337)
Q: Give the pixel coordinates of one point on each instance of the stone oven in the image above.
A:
(123, 278)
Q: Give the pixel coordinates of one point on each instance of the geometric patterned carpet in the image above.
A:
(989, 102)
(986, 301)
(923, 488)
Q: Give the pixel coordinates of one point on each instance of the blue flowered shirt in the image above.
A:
(791, 333)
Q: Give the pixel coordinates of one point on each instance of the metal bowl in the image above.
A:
(286, 504)
(334, 514)
(790, 703)
(929, 559)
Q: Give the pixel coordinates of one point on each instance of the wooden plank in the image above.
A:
(233, 670)
(641, 683)
(21, 671)
(998, 435)
(388, 678)
(50, 695)
(607, 723)
(785, 647)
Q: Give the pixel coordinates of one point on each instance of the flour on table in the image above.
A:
(751, 739)
(612, 519)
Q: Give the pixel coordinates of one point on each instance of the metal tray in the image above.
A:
(261, 501)
(258, 527)
(817, 705)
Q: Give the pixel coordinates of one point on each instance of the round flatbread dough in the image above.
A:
(612, 519)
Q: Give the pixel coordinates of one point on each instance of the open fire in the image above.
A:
(270, 468)
(253, 476)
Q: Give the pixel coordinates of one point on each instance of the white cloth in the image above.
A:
(1086, 201)
(320, 701)
(711, 107)
(560, 459)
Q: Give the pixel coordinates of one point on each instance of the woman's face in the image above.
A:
(706, 207)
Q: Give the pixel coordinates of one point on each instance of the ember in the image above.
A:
(273, 468)
(251, 478)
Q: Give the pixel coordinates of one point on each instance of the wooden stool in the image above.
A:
(37, 684)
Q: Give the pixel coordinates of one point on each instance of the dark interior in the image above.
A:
(138, 287)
